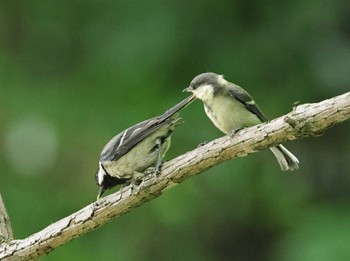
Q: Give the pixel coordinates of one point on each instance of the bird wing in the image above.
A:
(243, 97)
(128, 139)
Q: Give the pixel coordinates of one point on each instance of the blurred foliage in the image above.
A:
(75, 73)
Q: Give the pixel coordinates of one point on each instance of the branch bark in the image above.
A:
(305, 120)
(5, 225)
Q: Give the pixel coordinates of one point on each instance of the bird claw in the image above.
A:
(153, 171)
(234, 131)
(135, 187)
(157, 169)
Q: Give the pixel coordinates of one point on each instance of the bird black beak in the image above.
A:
(100, 192)
(188, 89)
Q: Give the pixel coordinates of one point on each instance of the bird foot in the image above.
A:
(157, 169)
(234, 131)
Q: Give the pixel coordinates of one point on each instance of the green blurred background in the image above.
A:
(75, 73)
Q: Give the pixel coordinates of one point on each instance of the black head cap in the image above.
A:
(205, 78)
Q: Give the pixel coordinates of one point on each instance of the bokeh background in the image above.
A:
(75, 73)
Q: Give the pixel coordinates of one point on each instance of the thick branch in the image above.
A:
(305, 120)
(5, 225)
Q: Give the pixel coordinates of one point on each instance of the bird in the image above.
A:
(127, 155)
(231, 108)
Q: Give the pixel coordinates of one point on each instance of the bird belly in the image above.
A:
(228, 114)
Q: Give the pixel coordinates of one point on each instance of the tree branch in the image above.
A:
(305, 120)
(5, 225)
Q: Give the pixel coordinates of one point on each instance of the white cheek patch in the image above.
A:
(101, 173)
(204, 92)
(221, 80)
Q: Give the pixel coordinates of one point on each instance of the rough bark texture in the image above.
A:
(6, 234)
(5, 226)
(305, 120)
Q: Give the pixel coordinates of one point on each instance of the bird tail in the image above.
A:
(285, 158)
(176, 108)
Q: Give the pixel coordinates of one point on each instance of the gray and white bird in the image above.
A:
(231, 108)
(126, 156)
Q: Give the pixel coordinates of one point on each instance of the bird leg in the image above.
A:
(139, 176)
(158, 166)
(136, 181)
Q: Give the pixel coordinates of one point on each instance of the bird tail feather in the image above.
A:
(285, 158)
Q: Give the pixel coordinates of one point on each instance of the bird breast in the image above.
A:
(228, 113)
